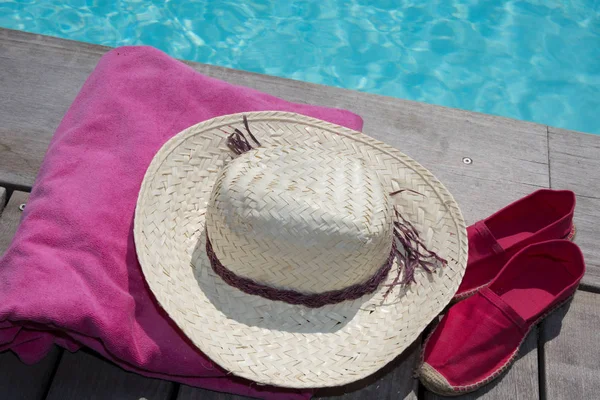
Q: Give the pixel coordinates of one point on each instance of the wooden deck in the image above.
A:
(40, 77)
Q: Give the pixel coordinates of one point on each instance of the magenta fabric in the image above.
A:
(71, 276)
(498, 318)
(542, 215)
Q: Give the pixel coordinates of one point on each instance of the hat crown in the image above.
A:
(300, 218)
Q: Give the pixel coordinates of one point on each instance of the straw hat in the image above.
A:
(295, 252)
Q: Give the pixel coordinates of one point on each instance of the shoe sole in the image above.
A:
(467, 294)
(460, 390)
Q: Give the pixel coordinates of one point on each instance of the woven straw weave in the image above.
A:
(272, 342)
(298, 218)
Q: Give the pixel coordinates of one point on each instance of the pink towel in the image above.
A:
(71, 276)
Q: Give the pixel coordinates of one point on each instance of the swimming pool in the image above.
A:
(535, 60)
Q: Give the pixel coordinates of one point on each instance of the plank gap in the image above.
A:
(53, 373)
(541, 362)
(10, 187)
(588, 288)
(421, 391)
(174, 391)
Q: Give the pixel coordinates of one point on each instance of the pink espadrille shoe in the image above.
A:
(543, 215)
(479, 337)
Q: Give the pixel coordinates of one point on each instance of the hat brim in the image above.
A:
(272, 342)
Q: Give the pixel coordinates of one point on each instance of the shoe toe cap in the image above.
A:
(435, 381)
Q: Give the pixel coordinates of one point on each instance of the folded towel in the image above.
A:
(71, 276)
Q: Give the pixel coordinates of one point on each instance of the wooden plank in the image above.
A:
(40, 79)
(394, 381)
(575, 161)
(520, 382)
(572, 354)
(587, 220)
(84, 376)
(575, 165)
(10, 219)
(20, 381)
(509, 157)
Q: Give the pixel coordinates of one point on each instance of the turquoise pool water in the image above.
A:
(535, 60)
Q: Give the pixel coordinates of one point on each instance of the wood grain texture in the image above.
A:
(587, 220)
(520, 382)
(575, 161)
(572, 354)
(84, 376)
(509, 157)
(575, 165)
(11, 216)
(19, 381)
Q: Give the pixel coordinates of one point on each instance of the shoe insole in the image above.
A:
(532, 291)
(521, 227)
